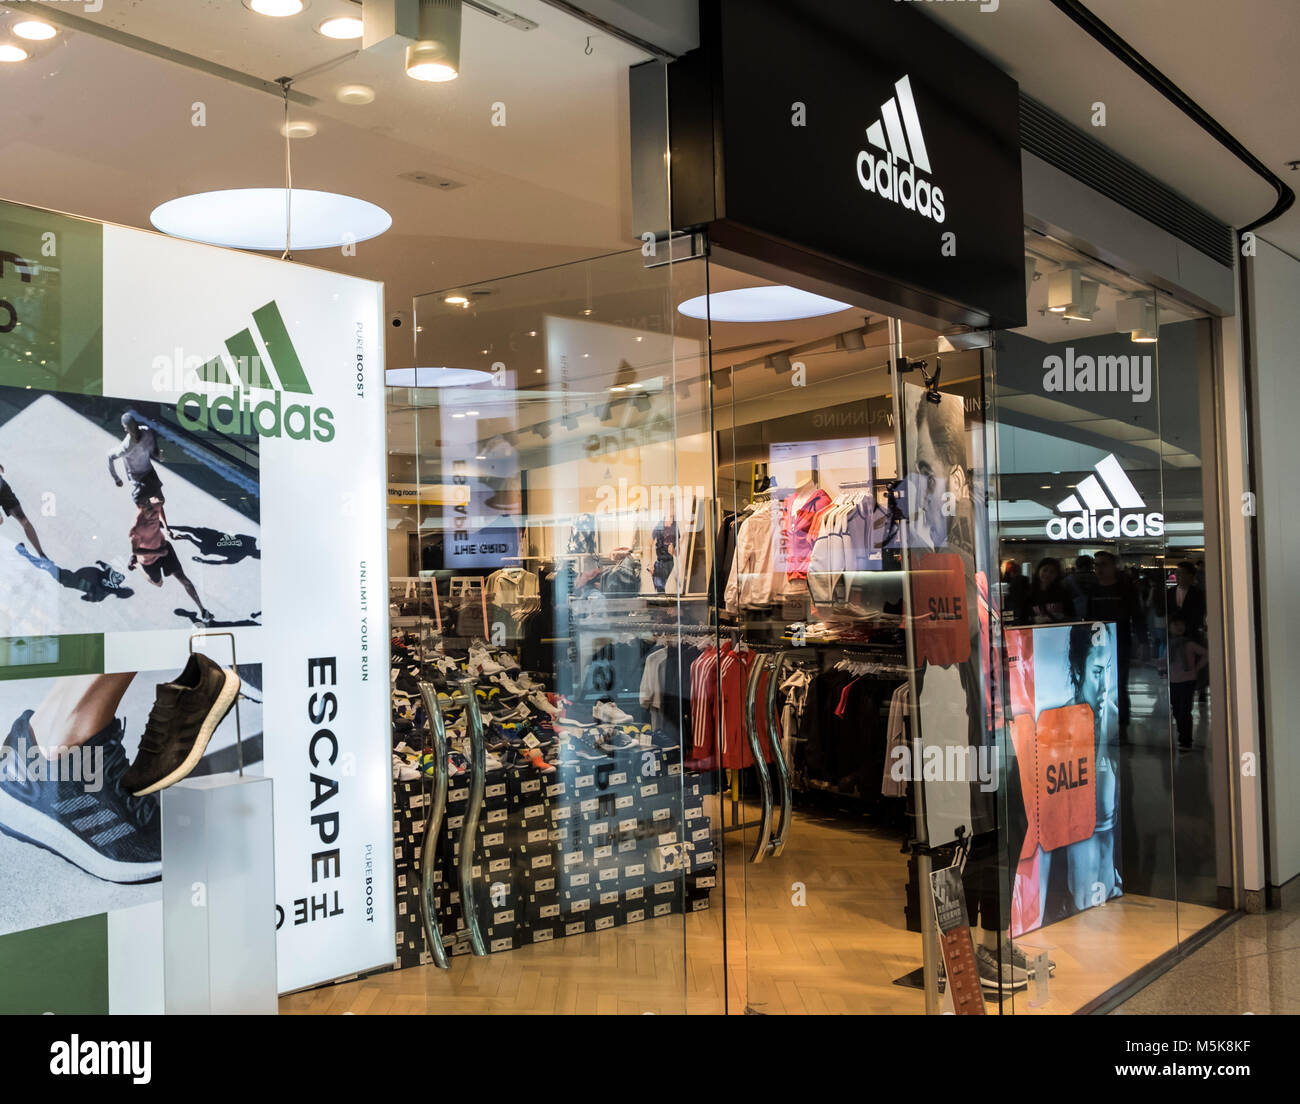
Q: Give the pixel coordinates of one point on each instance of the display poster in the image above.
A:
(959, 767)
(1064, 724)
(191, 442)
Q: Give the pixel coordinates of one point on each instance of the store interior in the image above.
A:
(572, 456)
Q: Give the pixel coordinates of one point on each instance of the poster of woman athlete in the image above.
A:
(1063, 726)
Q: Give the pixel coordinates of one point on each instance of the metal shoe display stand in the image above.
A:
(218, 888)
(436, 818)
(766, 845)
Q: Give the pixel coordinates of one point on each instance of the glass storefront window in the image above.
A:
(1102, 504)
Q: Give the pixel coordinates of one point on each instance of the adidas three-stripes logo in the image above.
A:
(247, 370)
(250, 363)
(1099, 514)
(899, 140)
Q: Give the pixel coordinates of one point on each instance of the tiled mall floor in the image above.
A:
(1252, 967)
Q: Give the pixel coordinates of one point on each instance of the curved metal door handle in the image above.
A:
(760, 763)
(778, 754)
(433, 829)
(469, 832)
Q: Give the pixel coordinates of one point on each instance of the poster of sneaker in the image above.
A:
(239, 402)
(1063, 732)
(75, 839)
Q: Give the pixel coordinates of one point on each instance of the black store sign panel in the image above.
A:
(904, 179)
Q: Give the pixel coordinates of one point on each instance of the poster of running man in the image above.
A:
(191, 442)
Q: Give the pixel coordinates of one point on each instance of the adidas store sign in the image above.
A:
(238, 412)
(1094, 514)
(900, 141)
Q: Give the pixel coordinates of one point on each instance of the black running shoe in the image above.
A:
(107, 832)
(405, 686)
(185, 714)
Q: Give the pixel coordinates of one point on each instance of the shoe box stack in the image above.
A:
(590, 846)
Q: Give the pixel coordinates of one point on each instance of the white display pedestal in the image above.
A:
(218, 859)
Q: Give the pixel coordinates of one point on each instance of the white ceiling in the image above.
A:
(98, 129)
(1236, 60)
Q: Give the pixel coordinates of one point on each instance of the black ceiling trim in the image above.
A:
(1181, 100)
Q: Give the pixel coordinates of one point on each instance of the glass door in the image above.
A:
(550, 535)
(822, 491)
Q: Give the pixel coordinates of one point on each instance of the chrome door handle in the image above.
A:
(469, 832)
(760, 763)
(433, 828)
(778, 754)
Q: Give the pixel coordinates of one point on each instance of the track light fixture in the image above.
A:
(435, 55)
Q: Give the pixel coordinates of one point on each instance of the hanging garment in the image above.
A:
(757, 575)
(945, 732)
(651, 695)
(511, 587)
(900, 704)
(798, 523)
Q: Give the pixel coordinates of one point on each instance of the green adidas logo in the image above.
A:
(247, 371)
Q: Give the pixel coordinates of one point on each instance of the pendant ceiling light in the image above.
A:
(255, 218)
(435, 56)
(273, 218)
(773, 303)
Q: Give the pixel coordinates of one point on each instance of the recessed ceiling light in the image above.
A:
(10, 52)
(34, 31)
(355, 94)
(342, 26)
(276, 8)
(299, 128)
(435, 377)
(254, 218)
(777, 303)
(456, 301)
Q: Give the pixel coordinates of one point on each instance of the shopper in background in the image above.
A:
(1187, 600)
(1048, 598)
(1187, 659)
(1113, 598)
(1079, 584)
(1015, 593)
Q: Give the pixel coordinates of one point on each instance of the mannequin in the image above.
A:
(807, 482)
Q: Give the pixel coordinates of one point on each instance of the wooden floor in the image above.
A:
(819, 930)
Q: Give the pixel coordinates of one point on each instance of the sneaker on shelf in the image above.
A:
(612, 739)
(185, 714)
(403, 771)
(1023, 962)
(528, 683)
(457, 763)
(491, 762)
(506, 660)
(1003, 977)
(541, 702)
(609, 713)
(584, 749)
(508, 684)
(537, 760)
(405, 686)
(481, 663)
(110, 834)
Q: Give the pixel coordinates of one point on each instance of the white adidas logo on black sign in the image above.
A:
(897, 135)
(1096, 514)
